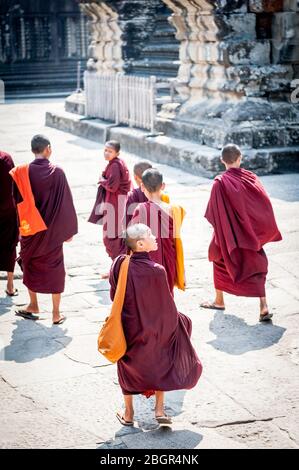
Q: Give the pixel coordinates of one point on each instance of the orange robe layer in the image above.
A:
(41, 255)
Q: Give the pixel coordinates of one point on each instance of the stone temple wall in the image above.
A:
(238, 61)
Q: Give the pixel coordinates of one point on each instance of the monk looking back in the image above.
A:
(159, 354)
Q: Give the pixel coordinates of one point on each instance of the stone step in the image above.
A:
(161, 50)
(165, 31)
(156, 67)
(190, 156)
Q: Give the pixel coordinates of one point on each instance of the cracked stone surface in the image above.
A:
(57, 391)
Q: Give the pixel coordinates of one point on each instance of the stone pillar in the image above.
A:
(120, 29)
(105, 50)
(238, 59)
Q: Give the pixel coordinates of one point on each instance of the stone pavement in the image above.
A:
(57, 391)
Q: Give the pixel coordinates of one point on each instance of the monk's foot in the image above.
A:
(11, 292)
(58, 319)
(105, 276)
(162, 418)
(212, 305)
(265, 315)
(125, 418)
(32, 309)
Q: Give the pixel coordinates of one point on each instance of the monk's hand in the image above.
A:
(69, 240)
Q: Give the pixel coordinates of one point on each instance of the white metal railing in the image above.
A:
(124, 99)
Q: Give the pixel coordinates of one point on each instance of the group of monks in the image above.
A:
(37, 210)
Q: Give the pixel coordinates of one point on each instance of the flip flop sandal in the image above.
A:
(60, 321)
(266, 317)
(211, 306)
(122, 420)
(164, 419)
(16, 292)
(27, 315)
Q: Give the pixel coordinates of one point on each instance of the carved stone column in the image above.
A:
(105, 50)
(238, 59)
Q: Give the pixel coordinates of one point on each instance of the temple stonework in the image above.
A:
(234, 66)
(40, 46)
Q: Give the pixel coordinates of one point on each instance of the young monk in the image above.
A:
(109, 208)
(47, 219)
(241, 214)
(9, 232)
(165, 222)
(159, 355)
(136, 196)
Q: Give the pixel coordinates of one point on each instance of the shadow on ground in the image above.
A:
(32, 341)
(163, 437)
(235, 336)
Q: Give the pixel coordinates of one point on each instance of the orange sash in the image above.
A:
(165, 198)
(111, 340)
(30, 219)
(178, 214)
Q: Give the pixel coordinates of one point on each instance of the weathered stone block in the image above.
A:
(285, 53)
(260, 6)
(246, 52)
(217, 27)
(286, 26)
(291, 5)
(292, 135)
(269, 137)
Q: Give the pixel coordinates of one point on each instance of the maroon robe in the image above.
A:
(159, 353)
(114, 187)
(41, 255)
(241, 214)
(135, 197)
(9, 232)
(161, 224)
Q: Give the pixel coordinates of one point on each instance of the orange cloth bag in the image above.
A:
(30, 219)
(111, 341)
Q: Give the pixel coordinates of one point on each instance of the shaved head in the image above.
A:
(230, 153)
(141, 167)
(114, 144)
(152, 180)
(134, 233)
(39, 143)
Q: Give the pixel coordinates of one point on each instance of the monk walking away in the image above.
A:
(137, 195)
(9, 232)
(110, 204)
(159, 356)
(47, 219)
(165, 221)
(241, 214)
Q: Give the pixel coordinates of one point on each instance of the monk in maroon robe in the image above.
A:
(109, 208)
(159, 355)
(156, 214)
(241, 214)
(41, 255)
(9, 232)
(136, 196)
